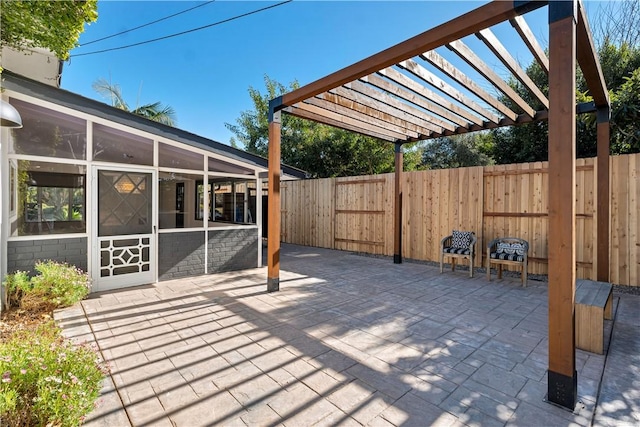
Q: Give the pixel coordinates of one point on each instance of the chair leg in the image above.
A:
(488, 268)
(441, 261)
(499, 271)
(453, 263)
(524, 275)
(471, 266)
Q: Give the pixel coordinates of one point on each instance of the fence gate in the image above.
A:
(362, 211)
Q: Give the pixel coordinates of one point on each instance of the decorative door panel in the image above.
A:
(124, 232)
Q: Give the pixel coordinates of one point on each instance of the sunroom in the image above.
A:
(126, 199)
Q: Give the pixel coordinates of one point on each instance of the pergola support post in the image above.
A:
(603, 196)
(397, 206)
(562, 375)
(273, 233)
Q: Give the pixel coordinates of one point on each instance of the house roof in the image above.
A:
(26, 86)
(397, 95)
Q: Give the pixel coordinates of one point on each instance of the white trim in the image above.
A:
(89, 143)
(205, 212)
(43, 159)
(180, 230)
(184, 171)
(144, 134)
(5, 136)
(115, 282)
(213, 228)
(48, 236)
(259, 217)
(231, 175)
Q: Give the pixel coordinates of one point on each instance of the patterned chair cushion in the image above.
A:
(507, 257)
(509, 252)
(459, 251)
(510, 248)
(460, 240)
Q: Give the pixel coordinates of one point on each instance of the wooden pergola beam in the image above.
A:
(384, 116)
(422, 100)
(520, 25)
(339, 118)
(483, 17)
(467, 55)
(385, 98)
(588, 61)
(509, 61)
(422, 73)
(392, 125)
(603, 195)
(521, 119)
(402, 111)
(562, 377)
(304, 114)
(592, 71)
(273, 206)
(447, 68)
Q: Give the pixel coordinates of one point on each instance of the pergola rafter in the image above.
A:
(445, 67)
(385, 96)
(529, 39)
(467, 55)
(509, 61)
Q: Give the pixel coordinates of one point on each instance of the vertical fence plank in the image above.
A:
(634, 219)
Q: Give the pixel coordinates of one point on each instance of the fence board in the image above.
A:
(634, 221)
(356, 213)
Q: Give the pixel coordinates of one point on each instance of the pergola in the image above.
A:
(393, 96)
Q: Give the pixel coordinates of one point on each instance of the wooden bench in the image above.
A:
(508, 251)
(593, 304)
(460, 244)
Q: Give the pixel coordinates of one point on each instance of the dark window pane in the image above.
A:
(49, 133)
(113, 145)
(174, 157)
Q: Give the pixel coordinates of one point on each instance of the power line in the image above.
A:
(184, 32)
(147, 24)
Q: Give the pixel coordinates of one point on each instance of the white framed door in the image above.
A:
(123, 227)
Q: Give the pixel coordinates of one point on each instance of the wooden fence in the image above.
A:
(356, 213)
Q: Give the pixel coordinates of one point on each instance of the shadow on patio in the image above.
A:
(348, 340)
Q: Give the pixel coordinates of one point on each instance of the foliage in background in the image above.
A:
(321, 150)
(458, 152)
(55, 285)
(47, 381)
(155, 111)
(54, 25)
(620, 66)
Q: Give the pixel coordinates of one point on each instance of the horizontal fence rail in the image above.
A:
(356, 213)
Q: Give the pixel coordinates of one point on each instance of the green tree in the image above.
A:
(54, 25)
(321, 150)
(155, 111)
(528, 143)
(458, 151)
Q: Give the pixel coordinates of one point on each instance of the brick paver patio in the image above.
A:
(348, 340)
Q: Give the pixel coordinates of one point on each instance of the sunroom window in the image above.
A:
(48, 133)
(229, 201)
(51, 199)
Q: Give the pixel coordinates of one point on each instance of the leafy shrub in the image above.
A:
(55, 285)
(16, 285)
(47, 381)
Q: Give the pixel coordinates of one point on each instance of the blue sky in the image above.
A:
(205, 75)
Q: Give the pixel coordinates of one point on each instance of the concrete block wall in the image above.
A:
(180, 255)
(232, 250)
(23, 254)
